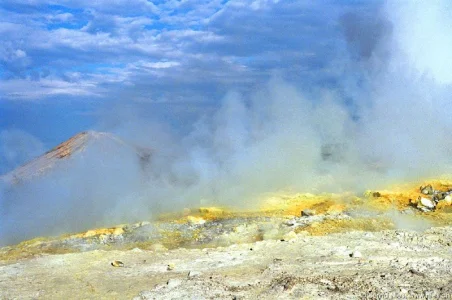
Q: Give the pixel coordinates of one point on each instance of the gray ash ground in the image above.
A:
(238, 258)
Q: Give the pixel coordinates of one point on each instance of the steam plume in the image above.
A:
(387, 118)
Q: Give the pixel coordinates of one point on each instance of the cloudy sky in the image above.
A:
(166, 51)
(68, 66)
(64, 63)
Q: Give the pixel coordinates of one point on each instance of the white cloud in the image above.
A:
(60, 17)
(430, 52)
(15, 88)
(210, 42)
(160, 64)
(17, 147)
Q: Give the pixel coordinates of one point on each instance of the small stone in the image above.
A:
(308, 212)
(356, 254)
(448, 199)
(440, 196)
(427, 202)
(117, 263)
(427, 190)
(370, 193)
(415, 272)
(193, 273)
(172, 283)
(170, 267)
(290, 223)
(424, 209)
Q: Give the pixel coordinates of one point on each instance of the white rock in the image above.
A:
(308, 212)
(172, 283)
(448, 199)
(194, 273)
(427, 202)
(356, 254)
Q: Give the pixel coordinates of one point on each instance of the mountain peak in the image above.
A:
(73, 146)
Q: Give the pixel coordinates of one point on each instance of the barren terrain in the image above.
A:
(301, 246)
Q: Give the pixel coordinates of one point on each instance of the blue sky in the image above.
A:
(65, 63)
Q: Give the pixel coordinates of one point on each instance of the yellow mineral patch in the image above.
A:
(398, 196)
(89, 233)
(383, 209)
(30, 248)
(402, 195)
(336, 226)
(195, 220)
(439, 217)
(336, 208)
(117, 230)
(293, 205)
(214, 211)
(442, 204)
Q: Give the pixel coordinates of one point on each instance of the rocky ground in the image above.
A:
(339, 247)
(354, 265)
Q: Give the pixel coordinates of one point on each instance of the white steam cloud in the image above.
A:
(17, 147)
(388, 118)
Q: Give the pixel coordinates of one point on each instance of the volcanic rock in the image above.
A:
(426, 202)
(72, 147)
(356, 254)
(308, 213)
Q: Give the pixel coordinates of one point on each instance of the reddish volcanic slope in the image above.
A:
(72, 146)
